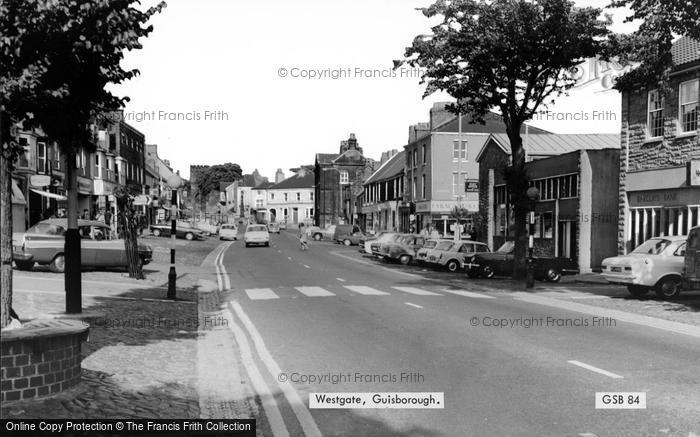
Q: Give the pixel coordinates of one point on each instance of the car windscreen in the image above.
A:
(257, 229)
(444, 245)
(46, 229)
(430, 244)
(507, 247)
(228, 227)
(652, 247)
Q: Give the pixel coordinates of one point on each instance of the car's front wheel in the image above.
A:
(189, 236)
(58, 265)
(637, 290)
(452, 265)
(553, 275)
(157, 232)
(405, 259)
(318, 237)
(669, 287)
(24, 265)
(347, 242)
(487, 272)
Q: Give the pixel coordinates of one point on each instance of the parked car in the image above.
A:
(655, 264)
(273, 227)
(500, 262)
(44, 244)
(383, 237)
(182, 231)
(402, 249)
(429, 247)
(256, 234)
(455, 256)
(228, 231)
(691, 267)
(351, 239)
(283, 224)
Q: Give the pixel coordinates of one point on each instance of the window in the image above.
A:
(458, 183)
(422, 185)
(414, 192)
(546, 220)
(655, 120)
(258, 203)
(689, 106)
(41, 157)
(298, 197)
(286, 197)
(459, 153)
(57, 156)
(344, 179)
(424, 154)
(499, 194)
(415, 158)
(311, 195)
(272, 196)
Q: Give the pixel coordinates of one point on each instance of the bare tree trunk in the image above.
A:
(517, 186)
(73, 283)
(129, 229)
(5, 232)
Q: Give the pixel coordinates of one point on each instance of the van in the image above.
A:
(691, 264)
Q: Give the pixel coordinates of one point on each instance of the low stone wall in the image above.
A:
(41, 358)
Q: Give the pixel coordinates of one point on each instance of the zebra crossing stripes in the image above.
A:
(261, 294)
(314, 291)
(418, 291)
(362, 289)
(468, 294)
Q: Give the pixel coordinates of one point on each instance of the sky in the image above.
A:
(268, 84)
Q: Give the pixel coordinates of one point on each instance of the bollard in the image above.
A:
(172, 276)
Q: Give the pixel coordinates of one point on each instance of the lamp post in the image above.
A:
(532, 194)
(174, 182)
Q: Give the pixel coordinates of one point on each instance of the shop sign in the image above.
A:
(422, 206)
(85, 185)
(471, 185)
(694, 173)
(40, 181)
(678, 197)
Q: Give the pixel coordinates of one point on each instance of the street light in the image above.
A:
(532, 194)
(174, 182)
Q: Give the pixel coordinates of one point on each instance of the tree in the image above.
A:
(127, 222)
(650, 45)
(512, 56)
(210, 179)
(57, 58)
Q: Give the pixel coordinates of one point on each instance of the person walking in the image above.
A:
(303, 237)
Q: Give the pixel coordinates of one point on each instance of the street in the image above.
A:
(329, 320)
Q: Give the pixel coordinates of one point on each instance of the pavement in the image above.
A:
(257, 331)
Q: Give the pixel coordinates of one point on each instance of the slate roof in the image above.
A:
(452, 124)
(326, 158)
(392, 167)
(557, 144)
(303, 179)
(685, 51)
(263, 186)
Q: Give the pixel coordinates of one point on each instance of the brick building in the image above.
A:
(660, 154)
(338, 179)
(576, 175)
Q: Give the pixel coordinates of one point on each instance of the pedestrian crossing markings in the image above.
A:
(268, 293)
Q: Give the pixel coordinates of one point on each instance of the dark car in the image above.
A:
(500, 262)
(44, 244)
(188, 233)
(402, 249)
(351, 239)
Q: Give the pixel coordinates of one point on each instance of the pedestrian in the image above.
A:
(108, 218)
(425, 232)
(302, 237)
(472, 233)
(434, 234)
(86, 214)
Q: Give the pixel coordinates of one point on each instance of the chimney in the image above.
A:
(417, 130)
(279, 176)
(439, 115)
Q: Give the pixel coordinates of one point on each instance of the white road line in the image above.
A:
(306, 266)
(261, 294)
(621, 316)
(272, 412)
(289, 258)
(340, 279)
(418, 291)
(361, 289)
(314, 291)
(467, 294)
(300, 409)
(594, 369)
(413, 305)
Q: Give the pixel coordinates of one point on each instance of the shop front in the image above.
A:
(438, 214)
(662, 202)
(85, 192)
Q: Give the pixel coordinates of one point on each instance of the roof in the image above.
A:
(557, 144)
(263, 186)
(685, 51)
(224, 185)
(302, 179)
(326, 158)
(468, 126)
(392, 167)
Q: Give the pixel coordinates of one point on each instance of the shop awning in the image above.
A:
(49, 195)
(17, 196)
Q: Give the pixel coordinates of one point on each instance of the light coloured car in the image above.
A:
(44, 244)
(428, 248)
(256, 235)
(283, 224)
(228, 231)
(371, 245)
(402, 249)
(655, 264)
(454, 256)
(273, 227)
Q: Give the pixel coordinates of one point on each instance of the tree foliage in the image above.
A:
(511, 56)
(650, 45)
(209, 180)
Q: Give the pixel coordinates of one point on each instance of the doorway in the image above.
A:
(566, 239)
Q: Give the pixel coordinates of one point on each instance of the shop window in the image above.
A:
(689, 106)
(547, 228)
(655, 116)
